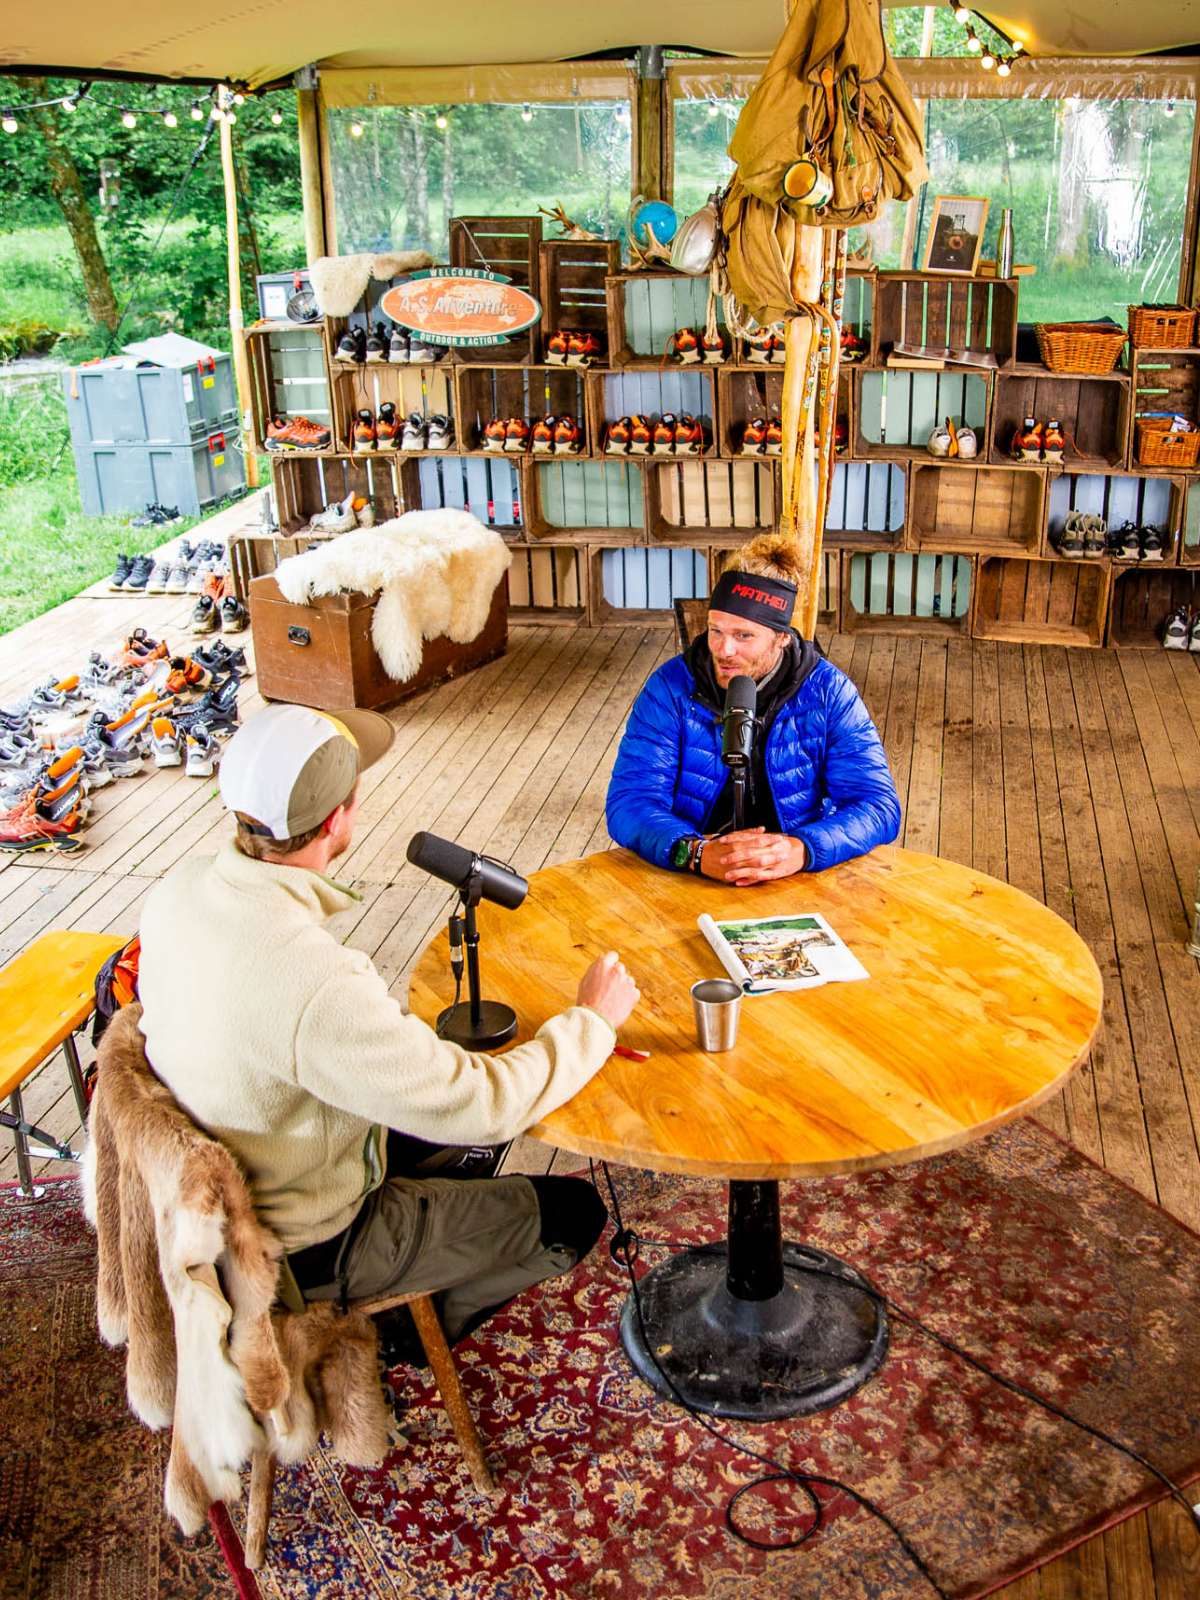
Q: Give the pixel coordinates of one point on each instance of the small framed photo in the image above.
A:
(955, 233)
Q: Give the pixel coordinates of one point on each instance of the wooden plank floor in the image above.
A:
(1074, 774)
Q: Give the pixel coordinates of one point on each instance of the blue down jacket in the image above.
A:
(825, 764)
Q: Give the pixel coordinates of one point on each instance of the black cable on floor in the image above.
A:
(624, 1250)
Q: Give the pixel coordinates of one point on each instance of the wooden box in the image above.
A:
(522, 391)
(289, 366)
(1167, 380)
(931, 312)
(1142, 600)
(963, 507)
(578, 502)
(574, 272)
(886, 592)
(747, 392)
(895, 412)
(548, 583)
(630, 392)
(322, 654)
(646, 308)
(1146, 501)
(1189, 539)
(627, 584)
(1041, 602)
(512, 247)
(1094, 412)
(426, 387)
(491, 488)
(867, 502)
(717, 503)
(253, 555)
(305, 485)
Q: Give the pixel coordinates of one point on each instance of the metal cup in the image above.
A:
(717, 1003)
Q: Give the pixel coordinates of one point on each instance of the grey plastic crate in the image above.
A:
(161, 391)
(129, 477)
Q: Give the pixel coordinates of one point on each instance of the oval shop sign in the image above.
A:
(460, 305)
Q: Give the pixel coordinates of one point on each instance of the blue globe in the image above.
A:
(657, 217)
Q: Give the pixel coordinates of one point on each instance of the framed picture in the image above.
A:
(955, 233)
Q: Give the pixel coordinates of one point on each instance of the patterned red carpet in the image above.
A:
(1017, 1248)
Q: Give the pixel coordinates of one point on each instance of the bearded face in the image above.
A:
(741, 648)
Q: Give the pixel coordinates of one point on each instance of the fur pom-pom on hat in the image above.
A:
(768, 555)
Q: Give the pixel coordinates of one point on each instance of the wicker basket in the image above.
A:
(1162, 327)
(1158, 446)
(1080, 346)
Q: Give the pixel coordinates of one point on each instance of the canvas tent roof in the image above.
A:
(264, 42)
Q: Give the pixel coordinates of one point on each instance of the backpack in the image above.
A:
(116, 986)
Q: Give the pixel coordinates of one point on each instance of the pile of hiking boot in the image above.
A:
(201, 569)
(81, 733)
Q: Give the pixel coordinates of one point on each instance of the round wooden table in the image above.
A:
(979, 1004)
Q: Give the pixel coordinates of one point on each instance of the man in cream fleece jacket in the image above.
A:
(302, 1062)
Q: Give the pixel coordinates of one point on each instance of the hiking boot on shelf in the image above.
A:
(336, 518)
(414, 435)
(853, 346)
(387, 427)
(1027, 441)
(166, 744)
(754, 437)
(773, 442)
(778, 345)
(296, 433)
(968, 443)
(557, 347)
(378, 346)
(352, 348)
(1153, 546)
(1125, 544)
(202, 752)
(758, 346)
(422, 354)
(120, 572)
(206, 618)
(641, 436)
(441, 432)
(1054, 443)
(495, 433)
(566, 437)
(689, 437)
(685, 347)
(664, 434)
(1194, 635)
(582, 349)
(541, 435)
(715, 350)
(1070, 540)
(398, 346)
(1176, 630)
(25, 829)
(363, 437)
(1095, 536)
(616, 440)
(139, 574)
(234, 617)
(516, 435)
(364, 511)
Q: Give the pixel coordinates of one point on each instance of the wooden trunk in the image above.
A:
(322, 654)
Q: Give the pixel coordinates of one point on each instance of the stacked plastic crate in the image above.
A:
(156, 424)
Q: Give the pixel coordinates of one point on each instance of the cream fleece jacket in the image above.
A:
(286, 1046)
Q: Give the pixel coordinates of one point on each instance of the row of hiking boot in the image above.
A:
(1181, 631)
(568, 348)
(385, 431)
(667, 435)
(548, 435)
(358, 348)
(182, 571)
(1086, 535)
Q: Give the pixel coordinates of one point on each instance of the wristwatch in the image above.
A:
(683, 850)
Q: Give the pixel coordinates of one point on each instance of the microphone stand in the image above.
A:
(474, 1023)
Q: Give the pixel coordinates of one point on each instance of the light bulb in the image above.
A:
(1169, 109)
(239, 99)
(277, 119)
(441, 121)
(231, 117)
(170, 120)
(713, 108)
(974, 44)
(987, 61)
(1018, 45)
(962, 14)
(356, 130)
(1002, 69)
(10, 123)
(128, 120)
(197, 114)
(526, 115)
(69, 105)
(217, 114)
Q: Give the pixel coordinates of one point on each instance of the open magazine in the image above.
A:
(768, 953)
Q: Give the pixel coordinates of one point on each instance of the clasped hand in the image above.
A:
(752, 856)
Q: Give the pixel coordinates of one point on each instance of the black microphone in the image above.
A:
(454, 865)
(737, 724)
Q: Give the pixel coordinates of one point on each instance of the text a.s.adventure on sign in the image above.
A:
(458, 305)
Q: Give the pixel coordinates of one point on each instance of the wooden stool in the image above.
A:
(45, 994)
(262, 1463)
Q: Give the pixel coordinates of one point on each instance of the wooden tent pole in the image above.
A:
(241, 367)
(312, 193)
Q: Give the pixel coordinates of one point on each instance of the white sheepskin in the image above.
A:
(340, 282)
(435, 573)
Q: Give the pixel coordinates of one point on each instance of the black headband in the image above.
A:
(768, 601)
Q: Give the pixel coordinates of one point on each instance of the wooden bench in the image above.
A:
(45, 995)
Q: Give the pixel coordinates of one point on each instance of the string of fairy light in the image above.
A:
(219, 104)
(990, 59)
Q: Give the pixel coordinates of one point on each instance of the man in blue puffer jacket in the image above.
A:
(820, 789)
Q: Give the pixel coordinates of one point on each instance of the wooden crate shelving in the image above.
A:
(717, 503)
(867, 505)
(1041, 602)
(426, 388)
(1164, 380)
(1094, 412)
(1142, 600)
(749, 391)
(969, 508)
(518, 391)
(491, 488)
(305, 485)
(931, 312)
(573, 277)
(630, 392)
(585, 502)
(928, 592)
(289, 365)
(641, 584)
(896, 411)
(1118, 499)
(646, 308)
(547, 583)
(512, 247)
(1189, 533)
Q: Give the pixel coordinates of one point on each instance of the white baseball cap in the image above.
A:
(290, 767)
